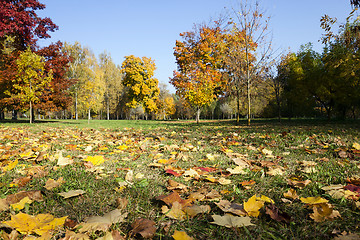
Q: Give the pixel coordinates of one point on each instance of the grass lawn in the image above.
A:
(163, 180)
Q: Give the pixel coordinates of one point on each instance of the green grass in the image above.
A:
(291, 142)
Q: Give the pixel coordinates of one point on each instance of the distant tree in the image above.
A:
(199, 79)
(140, 85)
(165, 103)
(20, 28)
(56, 96)
(31, 79)
(250, 27)
(113, 83)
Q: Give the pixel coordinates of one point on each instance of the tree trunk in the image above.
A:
(76, 107)
(198, 111)
(108, 108)
(31, 112)
(89, 115)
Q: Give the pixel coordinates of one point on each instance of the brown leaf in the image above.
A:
(299, 184)
(291, 194)
(229, 207)
(70, 223)
(33, 195)
(51, 183)
(174, 197)
(274, 213)
(121, 203)
(173, 185)
(21, 182)
(145, 227)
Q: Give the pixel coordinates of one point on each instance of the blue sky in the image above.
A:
(150, 28)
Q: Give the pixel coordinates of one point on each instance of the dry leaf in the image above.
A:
(51, 183)
(173, 185)
(70, 235)
(194, 210)
(21, 204)
(145, 227)
(291, 194)
(71, 193)
(95, 160)
(313, 200)
(98, 223)
(39, 224)
(233, 208)
(274, 213)
(299, 184)
(231, 221)
(181, 235)
(252, 206)
(175, 212)
(33, 195)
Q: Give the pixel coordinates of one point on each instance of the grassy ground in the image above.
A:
(140, 157)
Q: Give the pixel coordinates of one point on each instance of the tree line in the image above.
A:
(226, 68)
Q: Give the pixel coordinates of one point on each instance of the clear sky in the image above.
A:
(151, 27)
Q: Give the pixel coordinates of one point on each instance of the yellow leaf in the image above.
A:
(21, 204)
(356, 146)
(51, 183)
(175, 212)
(39, 224)
(181, 235)
(252, 206)
(265, 199)
(291, 194)
(95, 160)
(313, 200)
(10, 166)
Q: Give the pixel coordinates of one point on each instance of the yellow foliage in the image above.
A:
(39, 224)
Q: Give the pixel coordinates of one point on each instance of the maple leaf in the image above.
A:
(299, 184)
(275, 214)
(103, 223)
(39, 224)
(252, 206)
(175, 212)
(21, 204)
(181, 235)
(10, 166)
(231, 221)
(194, 210)
(324, 211)
(291, 194)
(313, 200)
(174, 197)
(233, 208)
(51, 183)
(95, 160)
(145, 227)
(71, 193)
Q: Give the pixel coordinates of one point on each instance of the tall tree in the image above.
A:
(140, 85)
(31, 79)
(76, 70)
(57, 96)
(113, 83)
(199, 79)
(20, 27)
(251, 25)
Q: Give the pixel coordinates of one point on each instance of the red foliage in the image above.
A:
(18, 18)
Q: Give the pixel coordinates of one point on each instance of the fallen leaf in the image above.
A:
(194, 210)
(313, 200)
(236, 170)
(33, 195)
(173, 185)
(181, 235)
(95, 160)
(102, 223)
(10, 166)
(229, 207)
(275, 214)
(324, 211)
(70, 235)
(145, 227)
(4, 205)
(21, 182)
(299, 184)
(174, 197)
(39, 224)
(51, 183)
(252, 206)
(21, 204)
(71, 193)
(291, 194)
(175, 212)
(231, 221)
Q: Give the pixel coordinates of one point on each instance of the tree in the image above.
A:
(76, 70)
(199, 79)
(113, 83)
(251, 27)
(31, 78)
(56, 96)
(355, 3)
(20, 28)
(165, 103)
(140, 85)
